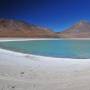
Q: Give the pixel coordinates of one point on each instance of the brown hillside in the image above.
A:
(80, 30)
(14, 28)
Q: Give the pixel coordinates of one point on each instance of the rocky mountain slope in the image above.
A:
(14, 28)
(79, 30)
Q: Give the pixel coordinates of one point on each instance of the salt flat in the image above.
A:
(29, 72)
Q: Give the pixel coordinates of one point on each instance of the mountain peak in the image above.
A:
(79, 30)
(83, 22)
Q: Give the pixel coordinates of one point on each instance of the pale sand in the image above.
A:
(29, 72)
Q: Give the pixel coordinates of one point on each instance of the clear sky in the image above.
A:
(55, 14)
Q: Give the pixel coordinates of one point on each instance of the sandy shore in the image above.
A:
(29, 72)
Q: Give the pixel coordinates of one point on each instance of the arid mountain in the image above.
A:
(80, 30)
(14, 28)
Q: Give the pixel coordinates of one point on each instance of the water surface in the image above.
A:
(52, 48)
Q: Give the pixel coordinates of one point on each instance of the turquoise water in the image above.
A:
(52, 48)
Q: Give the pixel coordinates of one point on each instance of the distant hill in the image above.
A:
(15, 28)
(79, 30)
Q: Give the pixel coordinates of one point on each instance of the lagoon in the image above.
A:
(79, 49)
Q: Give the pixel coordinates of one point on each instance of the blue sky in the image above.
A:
(54, 14)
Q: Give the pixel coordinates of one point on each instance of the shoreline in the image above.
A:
(30, 39)
(34, 57)
(25, 39)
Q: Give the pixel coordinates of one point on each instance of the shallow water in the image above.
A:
(52, 48)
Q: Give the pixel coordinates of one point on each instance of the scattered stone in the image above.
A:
(22, 73)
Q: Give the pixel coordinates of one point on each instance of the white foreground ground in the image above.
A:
(28, 72)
